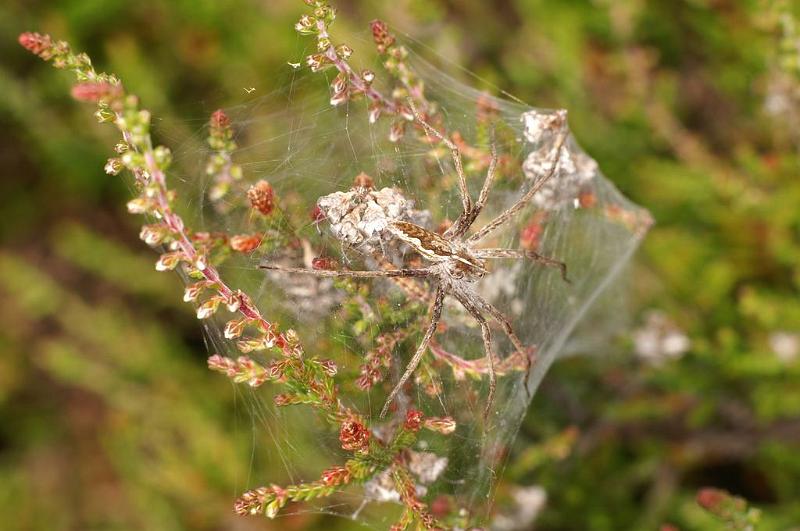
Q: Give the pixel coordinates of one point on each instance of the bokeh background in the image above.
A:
(108, 416)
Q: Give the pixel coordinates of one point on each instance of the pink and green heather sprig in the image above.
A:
(348, 83)
(148, 164)
(220, 166)
(370, 457)
(308, 380)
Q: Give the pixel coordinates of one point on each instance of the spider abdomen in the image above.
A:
(436, 248)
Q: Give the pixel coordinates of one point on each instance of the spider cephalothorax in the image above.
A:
(456, 262)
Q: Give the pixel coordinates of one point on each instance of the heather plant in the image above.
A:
(556, 177)
(688, 106)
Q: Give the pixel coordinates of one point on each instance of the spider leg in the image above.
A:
(503, 321)
(474, 310)
(516, 207)
(466, 201)
(484, 194)
(519, 253)
(424, 272)
(436, 314)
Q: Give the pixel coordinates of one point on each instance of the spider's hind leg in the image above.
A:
(467, 300)
(436, 314)
(502, 320)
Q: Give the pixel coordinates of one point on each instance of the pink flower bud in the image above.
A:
(234, 328)
(169, 261)
(335, 476)
(353, 435)
(262, 197)
(95, 91)
(245, 243)
(444, 425)
(37, 43)
(413, 420)
(220, 120)
(329, 367)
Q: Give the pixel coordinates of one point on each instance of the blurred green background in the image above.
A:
(108, 416)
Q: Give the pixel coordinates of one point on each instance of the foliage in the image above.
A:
(688, 106)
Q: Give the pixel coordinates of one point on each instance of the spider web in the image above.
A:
(307, 149)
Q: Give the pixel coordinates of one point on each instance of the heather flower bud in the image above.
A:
(251, 345)
(104, 115)
(306, 25)
(208, 308)
(292, 337)
(262, 197)
(169, 261)
(340, 97)
(234, 328)
(234, 301)
(353, 435)
(374, 113)
(443, 425)
(413, 420)
(192, 291)
(95, 91)
(323, 43)
(344, 51)
(222, 364)
(153, 234)
(317, 62)
(253, 501)
(329, 367)
(397, 131)
(140, 205)
(368, 76)
(245, 243)
(380, 34)
(275, 370)
(113, 166)
(324, 263)
(163, 157)
(37, 44)
(220, 120)
(335, 476)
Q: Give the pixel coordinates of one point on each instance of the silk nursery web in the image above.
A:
(386, 260)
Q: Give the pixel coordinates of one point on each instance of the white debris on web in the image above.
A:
(359, 218)
(574, 172)
(426, 468)
(305, 295)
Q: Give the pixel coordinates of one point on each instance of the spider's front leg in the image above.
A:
(531, 255)
(423, 272)
(507, 215)
(462, 223)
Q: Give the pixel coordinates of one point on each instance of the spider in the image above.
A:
(455, 263)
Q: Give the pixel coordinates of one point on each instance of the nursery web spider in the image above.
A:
(455, 261)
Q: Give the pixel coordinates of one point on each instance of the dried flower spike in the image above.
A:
(262, 197)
